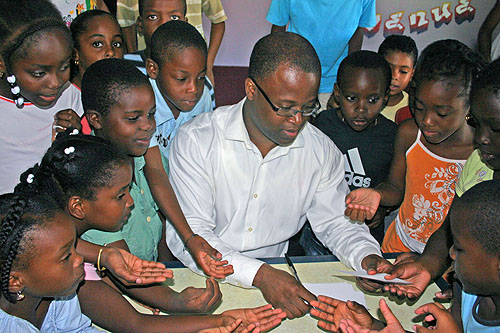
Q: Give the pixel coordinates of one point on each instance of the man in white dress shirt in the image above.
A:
(249, 175)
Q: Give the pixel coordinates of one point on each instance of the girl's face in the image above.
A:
(485, 110)
(44, 71)
(475, 268)
(112, 205)
(56, 269)
(101, 40)
(440, 109)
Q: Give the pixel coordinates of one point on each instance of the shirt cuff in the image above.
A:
(245, 269)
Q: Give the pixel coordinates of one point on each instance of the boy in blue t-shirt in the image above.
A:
(363, 135)
(177, 69)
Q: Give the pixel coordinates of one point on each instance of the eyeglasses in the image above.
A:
(306, 110)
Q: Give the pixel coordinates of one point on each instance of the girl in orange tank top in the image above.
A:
(430, 149)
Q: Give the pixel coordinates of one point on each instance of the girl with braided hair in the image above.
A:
(430, 150)
(36, 97)
(40, 269)
(89, 178)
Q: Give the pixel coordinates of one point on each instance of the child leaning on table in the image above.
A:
(120, 107)
(475, 227)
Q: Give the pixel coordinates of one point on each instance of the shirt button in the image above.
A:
(148, 218)
(250, 229)
(255, 195)
(142, 191)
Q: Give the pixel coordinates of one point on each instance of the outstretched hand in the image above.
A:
(413, 272)
(393, 324)
(444, 319)
(362, 204)
(373, 264)
(263, 317)
(208, 258)
(200, 300)
(131, 269)
(331, 311)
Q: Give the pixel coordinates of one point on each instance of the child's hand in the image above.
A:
(263, 317)
(131, 269)
(330, 311)
(235, 326)
(393, 324)
(65, 119)
(413, 272)
(444, 320)
(208, 258)
(362, 204)
(199, 300)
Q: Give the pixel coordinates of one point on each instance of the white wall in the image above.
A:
(246, 23)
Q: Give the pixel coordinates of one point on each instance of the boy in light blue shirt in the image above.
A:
(177, 69)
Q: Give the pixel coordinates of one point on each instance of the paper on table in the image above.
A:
(376, 277)
(341, 291)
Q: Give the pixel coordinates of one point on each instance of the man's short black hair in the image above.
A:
(282, 48)
(105, 81)
(399, 43)
(482, 203)
(365, 60)
(172, 37)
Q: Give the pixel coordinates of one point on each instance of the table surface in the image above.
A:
(309, 272)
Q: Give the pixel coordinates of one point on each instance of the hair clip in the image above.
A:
(74, 132)
(30, 178)
(69, 150)
(15, 90)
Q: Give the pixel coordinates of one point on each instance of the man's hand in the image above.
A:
(283, 291)
(393, 324)
(200, 300)
(331, 311)
(208, 258)
(131, 269)
(373, 264)
(444, 319)
(413, 272)
(362, 204)
(263, 317)
(65, 119)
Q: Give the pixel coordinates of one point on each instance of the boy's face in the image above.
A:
(485, 110)
(362, 97)
(402, 70)
(157, 12)
(181, 80)
(477, 269)
(130, 123)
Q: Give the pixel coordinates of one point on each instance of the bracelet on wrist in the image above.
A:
(189, 238)
(99, 267)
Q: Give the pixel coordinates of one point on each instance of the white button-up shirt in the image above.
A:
(247, 206)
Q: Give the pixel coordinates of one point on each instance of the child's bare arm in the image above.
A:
(487, 28)
(205, 256)
(216, 35)
(363, 203)
(356, 40)
(278, 28)
(101, 304)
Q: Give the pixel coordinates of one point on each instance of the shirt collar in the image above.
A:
(235, 130)
(163, 112)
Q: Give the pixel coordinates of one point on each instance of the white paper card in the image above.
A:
(341, 291)
(376, 277)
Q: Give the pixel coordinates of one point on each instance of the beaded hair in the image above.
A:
(21, 217)
(75, 165)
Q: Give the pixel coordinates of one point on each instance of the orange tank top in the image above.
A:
(429, 192)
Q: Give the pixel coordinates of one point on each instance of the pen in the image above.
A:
(294, 271)
(292, 267)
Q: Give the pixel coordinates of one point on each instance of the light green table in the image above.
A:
(311, 272)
